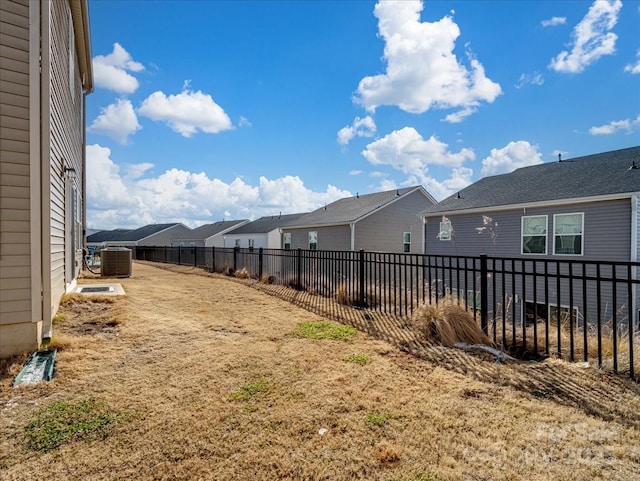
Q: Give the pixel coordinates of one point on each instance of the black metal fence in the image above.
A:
(575, 309)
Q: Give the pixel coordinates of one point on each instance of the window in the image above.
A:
(534, 234)
(567, 234)
(540, 312)
(473, 299)
(313, 240)
(287, 240)
(406, 242)
(237, 242)
(251, 243)
(445, 230)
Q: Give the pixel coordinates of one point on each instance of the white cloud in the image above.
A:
(554, 21)
(591, 38)
(362, 127)
(507, 159)
(533, 79)
(187, 112)
(422, 70)
(244, 122)
(460, 115)
(110, 71)
(117, 199)
(405, 150)
(630, 125)
(118, 121)
(355, 172)
(634, 68)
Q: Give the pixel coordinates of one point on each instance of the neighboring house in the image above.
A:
(261, 233)
(45, 67)
(383, 222)
(208, 235)
(584, 209)
(149, 235)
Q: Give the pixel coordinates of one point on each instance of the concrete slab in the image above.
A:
(100, 290)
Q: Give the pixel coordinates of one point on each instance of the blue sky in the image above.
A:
(211, 110)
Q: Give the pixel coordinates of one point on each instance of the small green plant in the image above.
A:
(325, 330)
(361, 359)
(63, 422)
(59, 317)
(249, 390)
(378, 419)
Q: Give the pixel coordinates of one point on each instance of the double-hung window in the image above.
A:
(445, 230)
(568, 236)
(287, 240)
(313, 240)
(534, 234)
(406, 242)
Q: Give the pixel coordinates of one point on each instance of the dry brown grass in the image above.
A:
(447, 323)
(210, 383)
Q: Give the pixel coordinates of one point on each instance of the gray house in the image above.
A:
(581, 209)
(45, 72)
(384, 222)
(148, 235)
(261, 233)
(208, 235)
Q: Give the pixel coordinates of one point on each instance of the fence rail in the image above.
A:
(575, 309)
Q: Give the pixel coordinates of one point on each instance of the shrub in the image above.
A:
(447, 323)
(242, 273)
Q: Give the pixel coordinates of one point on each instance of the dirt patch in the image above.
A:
(215, 385)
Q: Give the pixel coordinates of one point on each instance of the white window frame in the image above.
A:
(313, 240)
(406, 245)
(237, 243)
(546, 235)
(286, 241)
(555, 216)
(252, 243)
(445, 232)
(577, 319)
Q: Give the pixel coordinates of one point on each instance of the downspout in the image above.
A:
(35, 163)
(352, 226)
(84, 171)
(45, 165)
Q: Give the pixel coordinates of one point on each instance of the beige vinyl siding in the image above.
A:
(15, 257)
(65, 148)
(382, 231)
(334, 238)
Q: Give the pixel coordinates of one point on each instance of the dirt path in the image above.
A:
(187, 344)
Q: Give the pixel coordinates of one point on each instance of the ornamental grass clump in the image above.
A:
(447, 323)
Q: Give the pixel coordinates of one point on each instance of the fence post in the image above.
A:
(361, 265)
(235, 258)
(484, 308)
(179, 255)
(213, 258)
(165, 254)
(299, 270)
(260, 263)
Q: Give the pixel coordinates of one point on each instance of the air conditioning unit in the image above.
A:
(115, 262)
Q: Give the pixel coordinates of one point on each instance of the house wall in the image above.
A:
(606, 232)
(165, 237)
(334, 238)
(65, 149)
(259, 240)
(383, 231)
(17, 331)
(274, 239)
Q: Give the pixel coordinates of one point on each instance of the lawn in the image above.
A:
(196, 376)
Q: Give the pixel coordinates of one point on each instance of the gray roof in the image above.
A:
(266, 224)
(108, 235)
(350, 209)
(594, 175)
(129, 235)
(209, 230)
